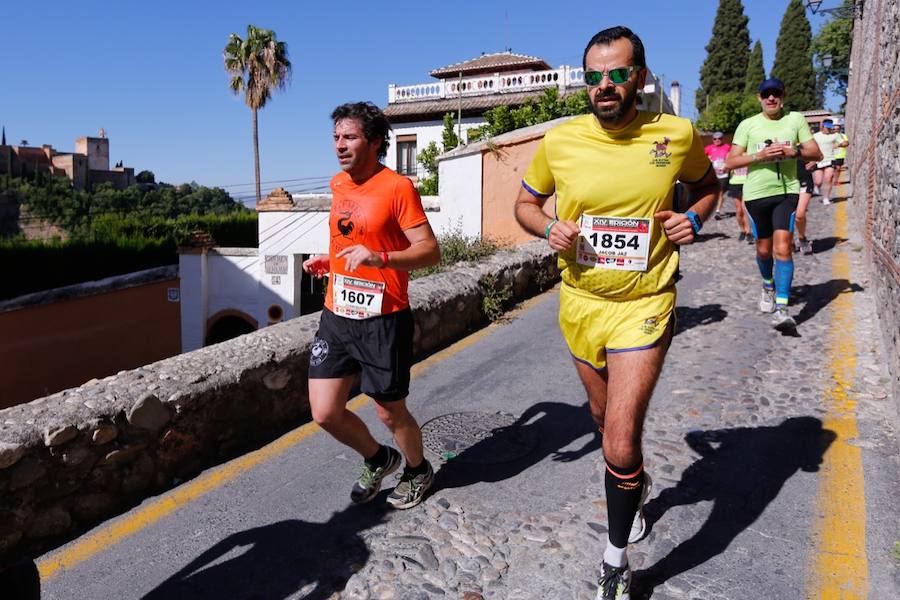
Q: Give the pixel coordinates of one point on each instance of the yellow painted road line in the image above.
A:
(840, 567)
(143, 516)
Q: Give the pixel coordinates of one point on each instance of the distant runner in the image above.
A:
(717, 151)
(775, 139)
(827, 140)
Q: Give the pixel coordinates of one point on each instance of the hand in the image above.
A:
(563, 235)
(317, 266)
(360, 255)
(770, 152)
(676, 226)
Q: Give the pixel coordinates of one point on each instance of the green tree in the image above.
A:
(428, 158)
(258, 65)
(834, 40)
(448, 136)
(145, 177)
(725, 67)
(793, 58)
(726, 111)
(756, 71)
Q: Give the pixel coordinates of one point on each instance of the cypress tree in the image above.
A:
(756, 72)
(793, 58)
(725, 67)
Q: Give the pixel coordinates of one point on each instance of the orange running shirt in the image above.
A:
(373, 214)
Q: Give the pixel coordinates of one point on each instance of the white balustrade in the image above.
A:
(498, 83)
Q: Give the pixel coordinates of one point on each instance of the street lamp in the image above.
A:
(826, 61)
(840, 12)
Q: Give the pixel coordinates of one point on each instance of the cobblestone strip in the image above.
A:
(728, 374)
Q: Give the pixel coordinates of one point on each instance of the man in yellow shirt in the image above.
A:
(840, 153)
(613, 173)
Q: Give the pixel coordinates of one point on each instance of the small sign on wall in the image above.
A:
(276, 265)
(276, 279)
(173, 294)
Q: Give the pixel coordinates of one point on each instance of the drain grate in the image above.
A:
(478, 437)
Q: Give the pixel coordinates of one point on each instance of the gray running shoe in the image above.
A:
(767, 300)
(639, 525)
(782, 320)
(615, 583)
(411, 489)
(806, 246)
(366, 488)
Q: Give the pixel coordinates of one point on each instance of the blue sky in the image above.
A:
(151, 74)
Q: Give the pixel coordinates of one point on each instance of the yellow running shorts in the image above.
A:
(594, 326)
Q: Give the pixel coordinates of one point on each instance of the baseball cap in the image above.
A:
(771, 84)
(718, 135)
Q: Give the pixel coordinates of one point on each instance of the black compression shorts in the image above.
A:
(378, 348)
(736, 190)
(769, 214)
(805, 177)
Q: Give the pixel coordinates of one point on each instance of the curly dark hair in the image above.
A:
(608, 36)
(375, 125)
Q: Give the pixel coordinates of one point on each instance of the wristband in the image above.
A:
(549, 227)
(694, 218)
(384, 260)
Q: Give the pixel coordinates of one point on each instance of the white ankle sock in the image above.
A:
(614, 557)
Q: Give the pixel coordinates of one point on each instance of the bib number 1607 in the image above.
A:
(617, 240)
(358, 298)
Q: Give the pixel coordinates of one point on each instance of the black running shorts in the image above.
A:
(769, 214)
(723, 183)
(838, 162)
(805, 177)
(736, 190)
(378, 348)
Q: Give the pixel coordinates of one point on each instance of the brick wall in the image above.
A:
(873, 125)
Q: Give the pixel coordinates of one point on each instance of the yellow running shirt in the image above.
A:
(629, 172)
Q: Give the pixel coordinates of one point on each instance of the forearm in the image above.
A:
(532, 218)
(740, 161)
(706, 195)
(810, 153)
(419, 255)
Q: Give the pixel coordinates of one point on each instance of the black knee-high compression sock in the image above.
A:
(623, 494)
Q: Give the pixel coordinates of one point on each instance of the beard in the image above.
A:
(614, 114)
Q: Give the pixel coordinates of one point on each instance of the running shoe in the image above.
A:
(826, 200)
(782, 320)
(615, 583)
(369, 483)
(411, 489)
(767, 300)
(639, 525)
(719, 216)
(742, 237)
(796, 245)
(751, 239)
(806, 246)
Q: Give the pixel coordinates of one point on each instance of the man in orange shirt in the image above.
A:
(379, 232)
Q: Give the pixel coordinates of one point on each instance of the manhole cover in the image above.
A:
(479, 438)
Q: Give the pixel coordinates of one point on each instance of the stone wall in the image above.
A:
(88, 453)
(873, 125)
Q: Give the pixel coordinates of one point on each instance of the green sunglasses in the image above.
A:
(619, 75)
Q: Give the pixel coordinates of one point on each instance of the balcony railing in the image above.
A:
(498, 83)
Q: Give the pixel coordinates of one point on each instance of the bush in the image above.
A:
(457, 247)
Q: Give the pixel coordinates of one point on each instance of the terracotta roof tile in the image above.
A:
(492, 63)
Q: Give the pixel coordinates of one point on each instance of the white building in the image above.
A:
(472, 87)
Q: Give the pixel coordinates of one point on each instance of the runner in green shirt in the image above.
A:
(769, 144)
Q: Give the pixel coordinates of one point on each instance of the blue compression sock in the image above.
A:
(784, 274)
(765, 269)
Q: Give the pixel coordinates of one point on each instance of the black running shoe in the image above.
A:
(370, 479)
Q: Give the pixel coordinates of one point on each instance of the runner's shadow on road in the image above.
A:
(688, 317)
(278, 560)
(817, 296)
(705, 237)
(826, 244)
(20, 580)
(741, 471)
(543, 430)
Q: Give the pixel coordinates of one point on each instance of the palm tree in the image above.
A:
(257, 65)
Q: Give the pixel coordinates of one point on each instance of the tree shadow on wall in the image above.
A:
(278, 560)
(741, 471)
